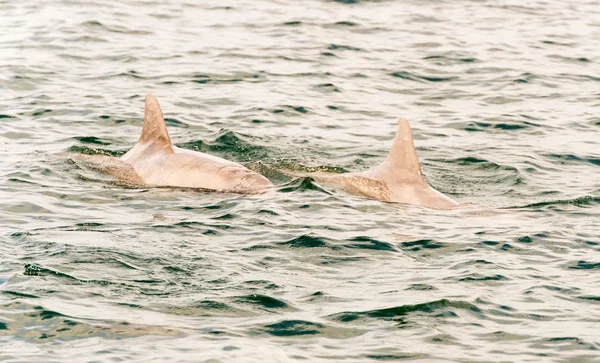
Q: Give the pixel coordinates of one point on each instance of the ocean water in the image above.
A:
(504, 100)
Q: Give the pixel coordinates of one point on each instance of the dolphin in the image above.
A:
(155, 161)
(397, 179)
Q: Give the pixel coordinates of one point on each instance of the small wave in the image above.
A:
(92, 23)
(501, 100)
(328, 87)
(213, 305)
(95, 25)
(301, 184)
(421, 287)
(115, 121)
(198, 225)
(578, 202)
(35, 270)
(25, 207)
(203, 78)
(585, 265)
(41, 112)
(131, 73)
(314, 241)
(478, 163)
(526, 78)
(343, 47)
(414, 77)
(478, 277)
(567, 343)
(342, 24)
(288, 328)
(423, 244)
(84, 39)
(450, 58)
(438, 306)
(263, 301)
(363, 242)
(483, 126)
(91, 140)
(284, 108)
(576, 60)
(230, 145)
(562, 158)
(52, 325)
(19, 294)
(306, 241)
(173, 122)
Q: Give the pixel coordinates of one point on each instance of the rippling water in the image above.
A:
(504, 100)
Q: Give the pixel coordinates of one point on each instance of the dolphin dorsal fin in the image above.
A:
(155, 129)
(402, 161)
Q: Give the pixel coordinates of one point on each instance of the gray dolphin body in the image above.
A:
(397, 179)
(157, 162)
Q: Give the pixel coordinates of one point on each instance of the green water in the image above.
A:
(503, 98)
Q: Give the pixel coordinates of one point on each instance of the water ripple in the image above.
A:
(502, 99)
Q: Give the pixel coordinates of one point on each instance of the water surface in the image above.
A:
(504, 100)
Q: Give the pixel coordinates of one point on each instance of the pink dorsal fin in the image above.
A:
(402, 159)
(155, 129)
